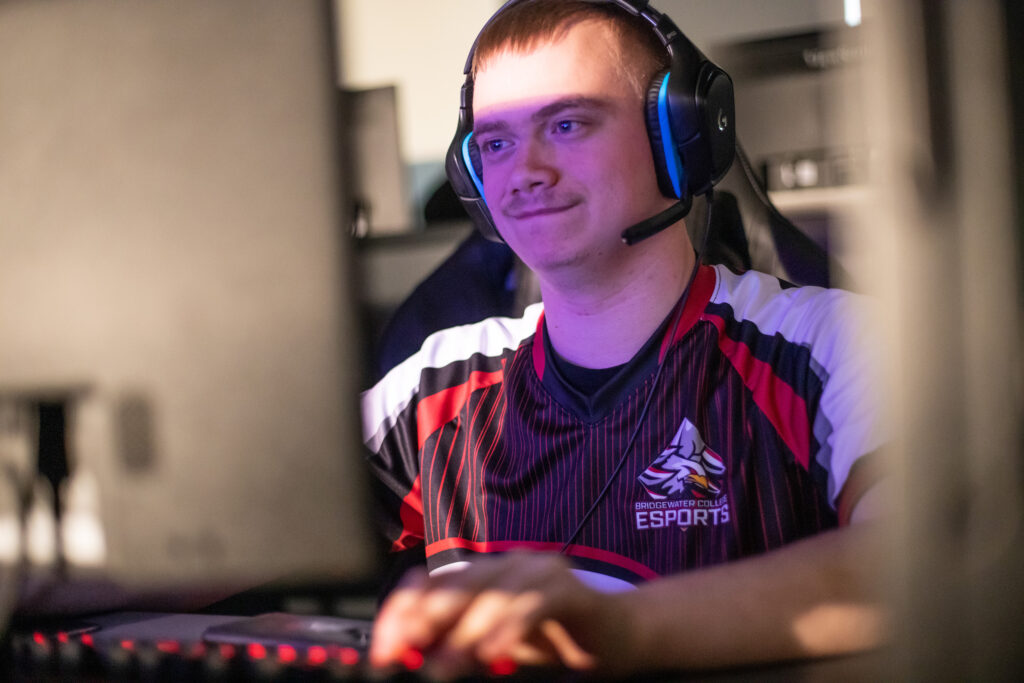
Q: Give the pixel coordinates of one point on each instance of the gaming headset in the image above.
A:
(690, 123)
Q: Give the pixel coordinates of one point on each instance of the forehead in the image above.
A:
(586, 62)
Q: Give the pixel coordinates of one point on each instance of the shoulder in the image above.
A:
(462, 350)
(806, 316)
(810, 357)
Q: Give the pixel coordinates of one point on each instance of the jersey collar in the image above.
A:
(593, 407)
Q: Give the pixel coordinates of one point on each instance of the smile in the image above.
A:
(539, 211)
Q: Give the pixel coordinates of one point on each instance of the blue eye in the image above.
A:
(567, 126)
(493, 146)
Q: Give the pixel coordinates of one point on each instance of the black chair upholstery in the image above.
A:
(749, 233)
(476, 281)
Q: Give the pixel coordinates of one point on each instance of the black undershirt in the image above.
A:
(587, 381)
(593, 391)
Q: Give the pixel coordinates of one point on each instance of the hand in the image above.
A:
(499, 613)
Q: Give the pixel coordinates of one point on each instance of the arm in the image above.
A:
(811, 598)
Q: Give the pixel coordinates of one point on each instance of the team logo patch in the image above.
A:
(685, 485)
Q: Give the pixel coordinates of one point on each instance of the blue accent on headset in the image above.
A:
(672, 161)
(468, 160)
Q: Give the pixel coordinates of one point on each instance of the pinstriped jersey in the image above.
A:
(754, 436)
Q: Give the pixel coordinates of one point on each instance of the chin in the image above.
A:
(565, 258)
(548, 261)
(548, 246)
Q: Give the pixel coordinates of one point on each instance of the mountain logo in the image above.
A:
(686, 466)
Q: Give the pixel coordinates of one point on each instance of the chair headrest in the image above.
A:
(748, 232)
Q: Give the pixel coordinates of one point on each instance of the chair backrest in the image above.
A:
(749, 233)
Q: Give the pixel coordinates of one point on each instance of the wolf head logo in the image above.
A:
(687, 464)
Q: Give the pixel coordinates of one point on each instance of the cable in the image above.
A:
(708, 198)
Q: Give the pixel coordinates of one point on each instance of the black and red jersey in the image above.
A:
(753, 438)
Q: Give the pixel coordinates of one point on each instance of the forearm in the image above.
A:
(811, 598)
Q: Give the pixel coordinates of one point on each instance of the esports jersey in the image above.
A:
(753, 437)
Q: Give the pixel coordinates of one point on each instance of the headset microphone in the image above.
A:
(655, 224)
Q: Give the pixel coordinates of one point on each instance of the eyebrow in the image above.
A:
(547, 111)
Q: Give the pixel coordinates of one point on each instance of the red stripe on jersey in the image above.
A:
(700, 293)
(786, 410)
(538, 348)
(411, 514)
(605, 556)
(437, 410)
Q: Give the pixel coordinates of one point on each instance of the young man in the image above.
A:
(691, 451)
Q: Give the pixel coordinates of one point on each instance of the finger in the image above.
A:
(458, 654)
(489, 611)
(390, 640)
(539, 627)
(493, 585)
(509, 589)
(438, 609)
(517, 637)
(450, 616)
(421, 611)
(500, 621)
(570, 653)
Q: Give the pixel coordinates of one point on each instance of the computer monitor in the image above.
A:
(174, 275)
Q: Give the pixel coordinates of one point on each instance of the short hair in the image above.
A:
(525, 25)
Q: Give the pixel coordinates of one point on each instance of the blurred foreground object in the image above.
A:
(945, 236)
(174, 268)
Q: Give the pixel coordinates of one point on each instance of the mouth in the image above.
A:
(535, 212)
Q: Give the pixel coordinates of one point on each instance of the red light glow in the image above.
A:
(256, 651)
(412, 659)
(87, 640)
(286, 653)
(316, 655)
(128, 645)
(170, 647)
(503, 666)
(348, 656)
(227, 651)
(39, 638)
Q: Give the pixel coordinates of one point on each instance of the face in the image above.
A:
(566, 159)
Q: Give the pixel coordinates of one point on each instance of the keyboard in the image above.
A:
(61, 656)
(146, 647)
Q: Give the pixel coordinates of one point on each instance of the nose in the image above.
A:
(533, 167)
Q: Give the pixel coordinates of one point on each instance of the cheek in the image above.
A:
(640, 160)
(641, 178)
(629, 173)
(492, 181)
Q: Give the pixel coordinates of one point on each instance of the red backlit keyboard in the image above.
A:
(38, 656)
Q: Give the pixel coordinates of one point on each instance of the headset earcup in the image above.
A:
(462, 166)
(718, 113)
(661, 137)
(477, 164)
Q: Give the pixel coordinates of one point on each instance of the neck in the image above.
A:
(603, 318)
